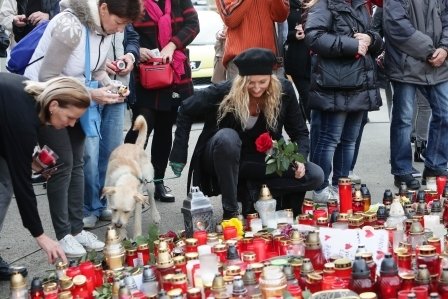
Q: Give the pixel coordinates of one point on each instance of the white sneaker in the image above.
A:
(354, 177)
(71, 247)
(326, 194)
(90, 221)
(89, 241)
(334, 193)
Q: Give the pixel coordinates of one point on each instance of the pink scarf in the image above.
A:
(163, 21)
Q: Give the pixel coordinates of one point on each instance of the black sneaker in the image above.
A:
(6, 271)
(428, 172)
(411, 182)
(229, 214)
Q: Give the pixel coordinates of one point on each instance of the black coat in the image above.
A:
(329, 34)
(205, 103)
(297, 56)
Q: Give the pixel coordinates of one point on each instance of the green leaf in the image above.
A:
(289, 149)
(271, 168)
(285, 164)
(281, 143)
(270, 161)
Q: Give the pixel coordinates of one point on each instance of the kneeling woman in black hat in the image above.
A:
(225, 160)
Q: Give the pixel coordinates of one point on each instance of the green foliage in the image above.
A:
(103, 292)
(282, 156)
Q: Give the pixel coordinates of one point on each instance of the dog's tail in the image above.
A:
(142, 128)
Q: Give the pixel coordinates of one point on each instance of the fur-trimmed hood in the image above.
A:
(87, 13)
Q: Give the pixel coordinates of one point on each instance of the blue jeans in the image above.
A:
(436, 155)
(96, 156)
(333, 142)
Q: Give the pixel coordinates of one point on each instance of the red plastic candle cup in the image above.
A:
(260, 249)
(201, 236)
(421, 292)
(441, 182)
(345, 195)
(404, 294)
(73, 271)
(318, 213)
(229, 232)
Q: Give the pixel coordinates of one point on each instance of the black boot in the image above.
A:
(6, 271)
(163, 193)
(419, 152)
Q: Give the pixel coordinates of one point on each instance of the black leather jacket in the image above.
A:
(329, 32)
(205, 103)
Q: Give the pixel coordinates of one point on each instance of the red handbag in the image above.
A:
(154, 74)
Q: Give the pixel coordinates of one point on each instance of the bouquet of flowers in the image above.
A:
(279, 154)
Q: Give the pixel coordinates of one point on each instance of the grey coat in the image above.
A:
(329, 33)
(413, 29)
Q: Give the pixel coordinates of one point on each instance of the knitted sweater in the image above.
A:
(250, 23)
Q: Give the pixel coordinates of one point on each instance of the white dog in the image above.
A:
(129, 172)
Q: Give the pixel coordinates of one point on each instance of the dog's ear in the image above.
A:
(108, 191)
(139, 198)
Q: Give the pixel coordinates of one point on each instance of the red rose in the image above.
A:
(263, 142)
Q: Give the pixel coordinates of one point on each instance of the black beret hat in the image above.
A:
(255, 61)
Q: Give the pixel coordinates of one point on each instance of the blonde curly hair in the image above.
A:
(237, 101)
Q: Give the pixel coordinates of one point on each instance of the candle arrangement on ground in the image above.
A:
(396, 249)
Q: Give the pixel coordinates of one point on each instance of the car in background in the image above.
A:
(202, 51)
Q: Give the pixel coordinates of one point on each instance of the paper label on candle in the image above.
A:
(344, 242)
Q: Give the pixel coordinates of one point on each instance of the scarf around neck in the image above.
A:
(165, 32)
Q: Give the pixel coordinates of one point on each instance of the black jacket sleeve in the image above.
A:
(294, 120)
(202, 104)
(132, 42)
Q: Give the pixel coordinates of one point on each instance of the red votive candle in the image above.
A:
(229, 232)
(260, 249)
(201, 236)
(441, 182)
(345, 195)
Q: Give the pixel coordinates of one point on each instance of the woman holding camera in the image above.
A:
(58, 102)
(65, 38)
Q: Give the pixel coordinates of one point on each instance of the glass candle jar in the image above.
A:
(357, 204)
(143, 253)
(314, 282)
(427, 255)
(369, 218)
(345, 195)
(407, 281)
(308, 207)
(368, 257)
(404, 262)
(272, 282)
(191, 245)
(180, 263)
(131, 257)
(355, 221)
(179, 281)
(221, 251)
(343, 269)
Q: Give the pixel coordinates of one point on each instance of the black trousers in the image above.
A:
(222, 159)
(162, 123)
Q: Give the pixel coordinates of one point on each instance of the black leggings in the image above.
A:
(162, 123)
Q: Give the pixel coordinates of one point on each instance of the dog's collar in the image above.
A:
(144, 181)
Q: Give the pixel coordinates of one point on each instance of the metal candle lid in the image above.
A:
(265, 194)
(65, 282)
(218, 284)
(17, 281)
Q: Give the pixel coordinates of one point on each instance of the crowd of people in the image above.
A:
(336, 54)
